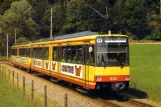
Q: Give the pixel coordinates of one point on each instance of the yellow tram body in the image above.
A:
(47, 58)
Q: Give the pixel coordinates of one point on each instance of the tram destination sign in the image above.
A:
(111, 40)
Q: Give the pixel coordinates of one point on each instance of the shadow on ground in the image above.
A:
(136, 93)
(131, 93)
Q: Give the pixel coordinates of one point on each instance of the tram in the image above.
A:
(86, 59)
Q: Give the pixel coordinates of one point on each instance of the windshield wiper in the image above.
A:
(120, 59)
(103, 60)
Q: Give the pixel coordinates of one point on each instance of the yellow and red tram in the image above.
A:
(86, 59)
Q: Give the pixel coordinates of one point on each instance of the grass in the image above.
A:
(3, 57)
(9, 96)
(13, 97)
(145, 61)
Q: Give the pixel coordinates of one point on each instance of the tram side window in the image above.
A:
(14, 52)
(24, 52)
(73, 54)
(63, 54)
(36, 50)
(33, 52)
(27, 52)
(79, 55)
(37, 53)
(21, 51)
(44, 53)
(41, 53)
(68, 54)
(55, 52)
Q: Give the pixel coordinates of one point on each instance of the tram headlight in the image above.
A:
(98, 78)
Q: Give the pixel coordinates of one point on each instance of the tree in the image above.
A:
(19, 17)
(156, 34)
(22, 40)
(5, 5)
(59, 17)
(77, 17)
(135, 18)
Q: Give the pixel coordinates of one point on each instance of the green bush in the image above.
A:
(22, 40)
(156, 35)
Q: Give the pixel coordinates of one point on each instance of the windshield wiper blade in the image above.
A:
(103, 60)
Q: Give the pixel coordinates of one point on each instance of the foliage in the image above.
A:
(154, 22)
(5, 5)
(31, 18)
(156, 35)
(34, 17)
(76, 17)
(152, 6)
(22, 40)
(59, 18)
(18, 16)
(39, 8)
(136, 16)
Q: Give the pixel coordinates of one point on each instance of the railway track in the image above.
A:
(128, 102)
(133, 101)
(140, 104)
(108, 103)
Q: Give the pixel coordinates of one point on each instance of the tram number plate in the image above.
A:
(113, 78)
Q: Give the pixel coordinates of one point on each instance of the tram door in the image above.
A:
(88, 58)
(89, 62)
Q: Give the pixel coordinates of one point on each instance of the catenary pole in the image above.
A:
(15, 35)
(160, 7)
(51, 23)
(7, 46)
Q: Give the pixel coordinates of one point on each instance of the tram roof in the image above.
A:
(75, 35)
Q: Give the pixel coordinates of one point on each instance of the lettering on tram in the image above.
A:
(67, 69)
(108, 40)
(113, 78)
(72, 70)
(24, 60)
(38, 63)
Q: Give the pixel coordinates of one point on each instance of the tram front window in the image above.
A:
(112, 52)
